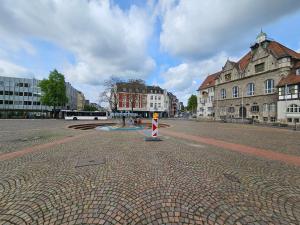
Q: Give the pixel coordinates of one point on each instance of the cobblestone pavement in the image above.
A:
(98, 177)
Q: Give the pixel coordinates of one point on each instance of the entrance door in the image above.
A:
(243, 112)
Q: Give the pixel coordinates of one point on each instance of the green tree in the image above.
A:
(90, 108)
(54, 90)
(192, 103)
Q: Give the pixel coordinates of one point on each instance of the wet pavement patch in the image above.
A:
(30, 139)
(232, 178)
(89, 162)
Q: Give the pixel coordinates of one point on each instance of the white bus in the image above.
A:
(84, 115)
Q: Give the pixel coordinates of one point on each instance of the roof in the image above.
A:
(289, 79)
(292, 78)
(277, 49)
(209, 81)
(280, 50)
(244, 61)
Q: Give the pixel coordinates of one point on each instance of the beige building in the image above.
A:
(80, 100)
(248, 88)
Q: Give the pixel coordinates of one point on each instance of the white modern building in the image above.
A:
(20, 98)
(205, 97)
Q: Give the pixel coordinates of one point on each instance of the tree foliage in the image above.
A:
(90, 108)
(54, 90)
(192, 103)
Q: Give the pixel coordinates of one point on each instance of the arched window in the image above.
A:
(293, 108)
(223, 94)
(250, 89)
(269, 86)
(235, 92)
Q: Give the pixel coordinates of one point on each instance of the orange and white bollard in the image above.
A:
(155, 127)
(154, 136)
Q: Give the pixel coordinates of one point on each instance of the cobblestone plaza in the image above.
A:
(200, 173)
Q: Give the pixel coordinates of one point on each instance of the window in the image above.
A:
(296, 120)
(298, 71)
(265, 119)
(26, 85)
(235, 92)
(272, 107)
(250, 89)
(20, 93)
(151, 97)
(228, 77)
(223, 94)
(231, 109)
(1, 83)
(269, 86)
(8, 102)
(293, 108)
(25, 93)
(259, 67)
(9, 93)
(1, 92)
(158, 97)
(124, 89)
(159, 105)
(151, 105)
(289, 120)
(265, 107)
(155, 97)
(1, 102)
(255, 108)
(273, 119)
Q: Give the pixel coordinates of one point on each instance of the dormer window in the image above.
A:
(259, 67)
(228, 77)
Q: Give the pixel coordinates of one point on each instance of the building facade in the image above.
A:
(205, 97)
(173, 104)
(156, 101)
(20, 98)
(145, 100)
(132, 98)
(72, 94)
(248, 88)
(80, 100)
(288, 105)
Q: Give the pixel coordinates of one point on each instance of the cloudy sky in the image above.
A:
(171, 43)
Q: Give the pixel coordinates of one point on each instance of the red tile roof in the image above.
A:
(244, 61)
(280, 50)
(209, 81)
(289, 79)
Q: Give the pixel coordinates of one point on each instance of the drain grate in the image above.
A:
(90, 162)
(232, 178)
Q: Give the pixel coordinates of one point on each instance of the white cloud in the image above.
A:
(198, 29)
(184, 78)
(104, 39)
(12, 70)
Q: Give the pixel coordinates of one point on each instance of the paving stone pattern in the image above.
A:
(126, 180)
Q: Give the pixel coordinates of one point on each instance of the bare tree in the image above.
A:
(110, 93)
